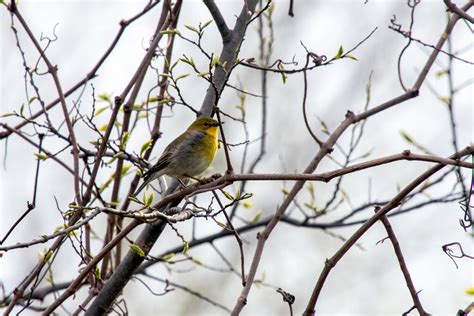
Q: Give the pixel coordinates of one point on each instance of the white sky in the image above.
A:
(365, 282)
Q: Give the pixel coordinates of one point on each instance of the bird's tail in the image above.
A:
(140, 188)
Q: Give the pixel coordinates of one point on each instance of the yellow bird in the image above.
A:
(189, 155)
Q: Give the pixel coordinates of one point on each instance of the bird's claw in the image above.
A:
(210, 179)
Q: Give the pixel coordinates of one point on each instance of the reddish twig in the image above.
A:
(54, 73)
(237, 237)
(402, 263)
(462, 13)
(446, 248)
(91, 74)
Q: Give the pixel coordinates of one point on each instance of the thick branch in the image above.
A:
(439, 45)
(454, 8)
(229, 53)
(226, 34)
(326, 149)
(151, 232)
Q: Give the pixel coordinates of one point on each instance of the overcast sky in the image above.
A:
(368, 280)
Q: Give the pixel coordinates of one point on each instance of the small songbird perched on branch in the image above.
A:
(189, 155)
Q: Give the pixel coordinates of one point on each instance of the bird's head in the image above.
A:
(205, 124)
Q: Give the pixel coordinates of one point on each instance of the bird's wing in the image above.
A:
(160, 165)
(165, 158)
(153, 172)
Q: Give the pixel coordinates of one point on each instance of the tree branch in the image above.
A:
(395, 202)
(403, 265)
(462, 13)
(229, 53)
(226, 34)
(90, 75)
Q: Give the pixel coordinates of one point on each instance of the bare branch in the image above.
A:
(330, 263)
(226, 34)
(462, 13)
(401, 261)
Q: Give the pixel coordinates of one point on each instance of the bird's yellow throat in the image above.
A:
(213, 132)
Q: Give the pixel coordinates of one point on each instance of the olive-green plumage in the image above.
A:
(189, 155)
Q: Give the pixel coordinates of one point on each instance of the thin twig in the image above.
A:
(395, 202)
(237, 237)
(62, 232)
(53, 71)
(91, 74)
(401, 261)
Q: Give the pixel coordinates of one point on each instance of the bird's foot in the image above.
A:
(210, 179)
